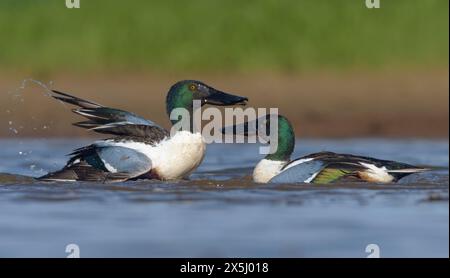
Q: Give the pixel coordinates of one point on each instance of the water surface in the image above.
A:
(220, 212)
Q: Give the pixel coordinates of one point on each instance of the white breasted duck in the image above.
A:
(322, 167)
(140, 148)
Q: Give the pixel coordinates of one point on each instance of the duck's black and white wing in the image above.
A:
(328, 167)
(108, 120)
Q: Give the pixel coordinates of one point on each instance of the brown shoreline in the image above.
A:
(352, 104)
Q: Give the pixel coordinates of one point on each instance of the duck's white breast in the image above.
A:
(175, 157)
(178, 156)
(266, 169)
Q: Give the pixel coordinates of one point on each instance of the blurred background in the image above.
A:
(334, 68)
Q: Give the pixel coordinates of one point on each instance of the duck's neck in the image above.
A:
(178, 107)
(273, 163)
(286, 142)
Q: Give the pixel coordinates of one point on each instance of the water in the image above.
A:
(220, 212)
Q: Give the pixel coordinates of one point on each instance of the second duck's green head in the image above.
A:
(262, 126)
(286, 138)
(183, 93)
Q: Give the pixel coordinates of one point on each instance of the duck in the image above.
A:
(316, 168)
(139, 148)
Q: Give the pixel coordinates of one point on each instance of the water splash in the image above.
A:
(11, 128)
(23, 86)
(17, 97)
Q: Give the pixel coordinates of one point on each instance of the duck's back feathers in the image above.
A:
(150, 132)
(328, 167)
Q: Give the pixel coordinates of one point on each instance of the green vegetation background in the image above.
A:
(212, 35)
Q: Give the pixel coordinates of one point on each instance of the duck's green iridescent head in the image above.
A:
(262, 126)
(183, 93)
(286, 140)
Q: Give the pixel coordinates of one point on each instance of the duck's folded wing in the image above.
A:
(347, 167)
(334, 172)
(108, 120)
(302, 171)
(317, 171)
(104, 164)
(328, 167)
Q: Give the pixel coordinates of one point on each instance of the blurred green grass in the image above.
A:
(211, 35)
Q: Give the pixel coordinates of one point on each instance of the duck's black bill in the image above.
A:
(250, 127)
(223, 99)
(244, 129)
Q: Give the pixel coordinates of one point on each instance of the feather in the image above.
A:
(108, 120)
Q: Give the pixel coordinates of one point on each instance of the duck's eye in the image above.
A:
(192, 87)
